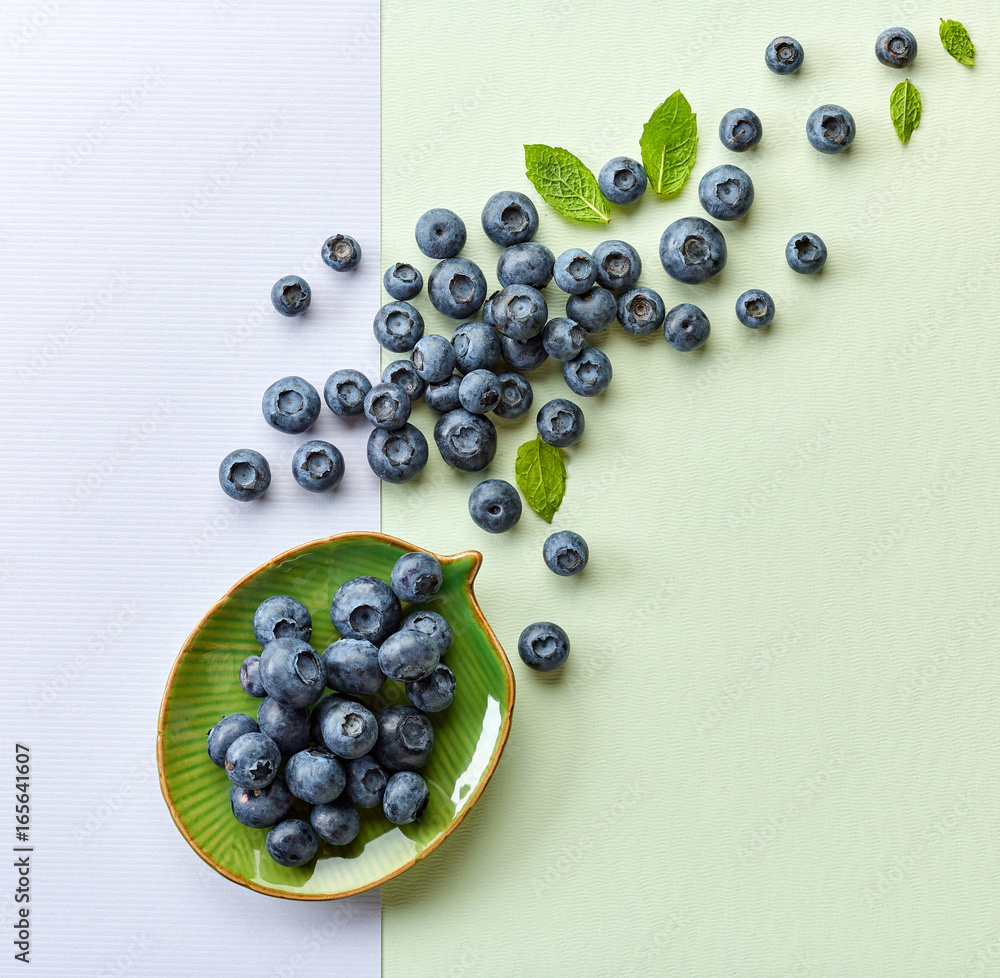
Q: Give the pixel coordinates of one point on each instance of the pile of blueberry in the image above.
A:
(329, 756)
(337, 755)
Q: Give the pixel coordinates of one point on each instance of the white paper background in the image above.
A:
(162, 165)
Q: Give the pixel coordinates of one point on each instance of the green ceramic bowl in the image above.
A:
(204, 686)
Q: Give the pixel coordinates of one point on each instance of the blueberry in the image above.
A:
(407, 654)
(260, 808)
(345, 391)
(456, 287)
(387, 406)
(405, 799)
(222, 735)
(341, 252)
(281, 616)
(515, 395)
(287, 726)
(318, 466)
(574, 271)
(755, 308)
(434, 358)
(693, 250)
(319, 711)
(402, 281)
(565, 553)
(336, 823)
(523, 354)
(433, 625)
(896, 47)
(740, 130)
(830, 129)
(252, 760)
(402, 374)
(405, 739)
(398, 326)
(440, 233)
(543, 646)
(365, 782)
(397, 456)
(494, 506)
(416, 577)
(563, 339)
(250, 677)
(477, 346)
(466, 441)
(726, 192)
(805, 253)
(291, 672)
(686, 327)
(622, 180)
(434, 692)
(588, 374)
(509, 218)
(351, 666)
(487, 309)
(519, 312)
(244, 474)
(365, 607)
(348, 729)
(528, 263)
(784, 55)
(443, 396)
(594, 310)
(640, 311)
(290, 295)
(315, 776)
(479, 391)
(618, 265)
(291, 405)
(560, 422)
(291, 843)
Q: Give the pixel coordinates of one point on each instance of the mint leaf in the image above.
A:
(669, 143)
(566, 184)
(541, 476)
(904, 107)
(957, 42)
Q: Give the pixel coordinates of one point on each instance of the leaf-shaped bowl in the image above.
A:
(204, 686)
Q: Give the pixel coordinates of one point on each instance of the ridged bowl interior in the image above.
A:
(204, 686)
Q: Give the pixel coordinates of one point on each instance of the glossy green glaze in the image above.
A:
(204, 686)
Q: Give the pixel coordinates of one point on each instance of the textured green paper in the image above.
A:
(775, 749)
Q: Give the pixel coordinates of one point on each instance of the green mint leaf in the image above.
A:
(957, 42)
(904, 107)
(566, 184)
(669, 143)
(541, 476)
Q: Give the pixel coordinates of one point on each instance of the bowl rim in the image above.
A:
(477, 562)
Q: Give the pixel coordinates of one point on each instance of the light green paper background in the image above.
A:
(774, 749)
